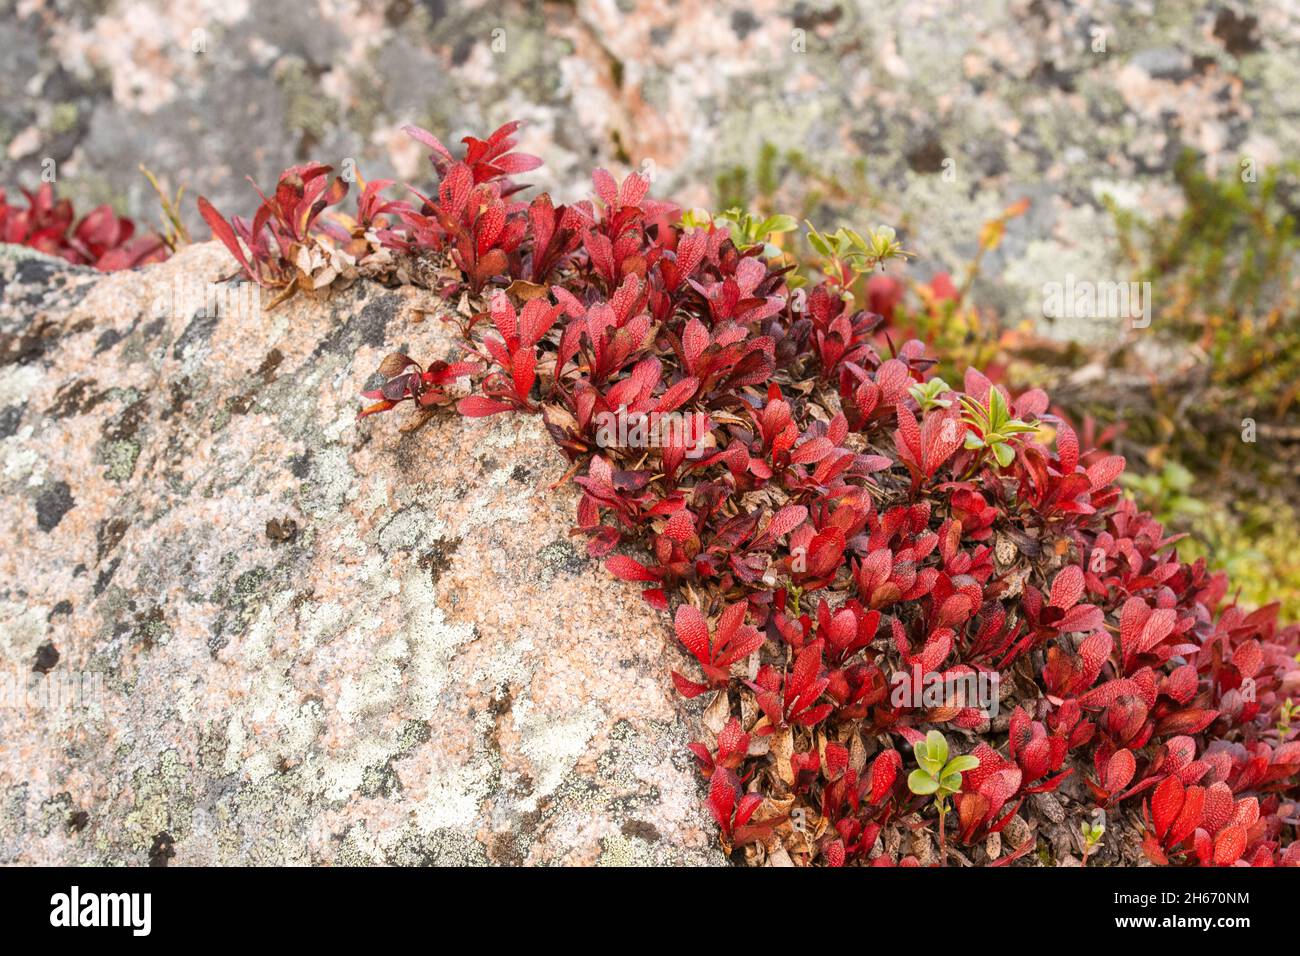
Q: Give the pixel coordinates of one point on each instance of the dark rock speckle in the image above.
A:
(52, 504)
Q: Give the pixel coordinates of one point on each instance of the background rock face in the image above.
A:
(238, 626)
(930, 114)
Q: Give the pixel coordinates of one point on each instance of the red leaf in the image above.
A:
(811, 451)
(673, 398)
(1119, 771)
(1218, 807)
(688, 688)
(1188, 818)
(941, 435)
(745, 809)
(785, 520)
(536, 321)
(1190, 721)
(522, 369)
(221, 229)
(1081, 617)
(1067, 587)
(1154, 851)
(1105, 471)
(884, 771)
(693, 631)
(627, 569)
(681, 526)
(1067, 448)
(1166, 802)
(476, 406)
(1229, 845)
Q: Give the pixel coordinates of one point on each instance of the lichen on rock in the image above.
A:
(389, 682)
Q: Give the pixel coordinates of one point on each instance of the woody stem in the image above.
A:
(943, 845)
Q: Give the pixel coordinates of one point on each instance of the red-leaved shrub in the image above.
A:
(831, 533)
(101, 238)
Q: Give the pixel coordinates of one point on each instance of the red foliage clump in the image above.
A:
(772, 456)
(101, 238)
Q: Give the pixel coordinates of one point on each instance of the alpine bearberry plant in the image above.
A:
(835, 531)
(101, 238)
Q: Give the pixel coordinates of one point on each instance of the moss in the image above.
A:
(63, 118)
(1253, 541)
(1256, 545)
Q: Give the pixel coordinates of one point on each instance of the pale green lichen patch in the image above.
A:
(553, 745)
(161, 801)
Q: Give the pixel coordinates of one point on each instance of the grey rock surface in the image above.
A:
(239, 626)
(932, 115)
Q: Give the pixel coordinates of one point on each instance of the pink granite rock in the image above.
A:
(238, 626)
